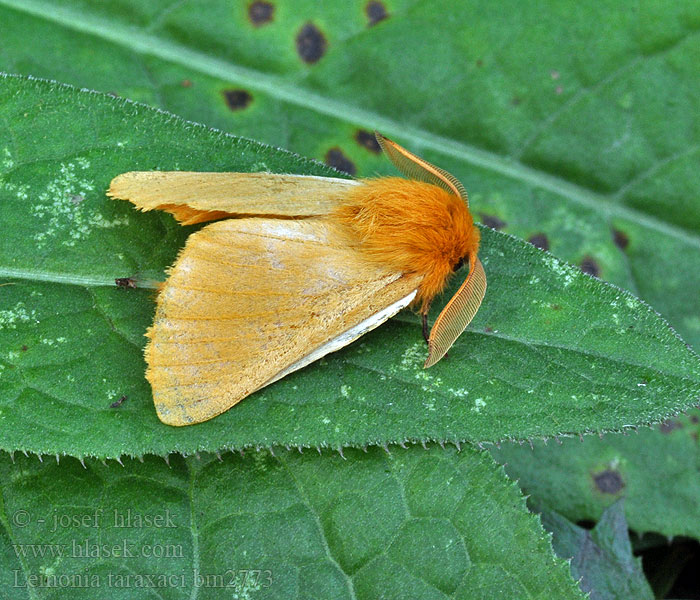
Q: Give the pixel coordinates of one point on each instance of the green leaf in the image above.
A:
(656, 470)
(602, 558)
(422, 524)
(587, 143)
(551, 351)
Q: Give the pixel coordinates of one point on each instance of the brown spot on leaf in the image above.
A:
(609, 481)
(559, 90)
(336, 159)
(492, 221)
(311, 44)
(237, 99)
(479, 63)
(125, 283)
(375, 11)
(669, 425)
(261, 13)
(24, 348)
(555, 74)
(488, 329)
(186, 83)
(555, 306)
(621, 239)
(367, 140)
(590, 266)
(539, 240)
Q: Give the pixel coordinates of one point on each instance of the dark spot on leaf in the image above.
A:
(336, 159)
(237, 99)
(609, 481)
(117, 403)
(669, 425)
(125, 283)
(479, 63)
(488, 329)
(24, 348)
(621, 239)
(186, 83)
(515, 101)
(260, 13)
(492, 222)
(375, 11)
(590, 266)
(367, 140)
(555, 306)
(539, 240)
(311, 45)
(694, 419)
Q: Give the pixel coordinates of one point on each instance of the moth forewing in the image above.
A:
(194, 197)
(347, 337)
(250, 299)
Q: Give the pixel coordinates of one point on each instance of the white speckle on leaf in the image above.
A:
(7, 161)
(17, 314)
(20, 191)
(460, 393)
(478, 405)
(567, 272)
(56, 207)
(534, 280)
(412, 361)
(325, 420)
(345, 391)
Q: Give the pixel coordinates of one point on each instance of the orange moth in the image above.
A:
(295, 267)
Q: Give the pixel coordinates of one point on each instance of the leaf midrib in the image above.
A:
(142, 43)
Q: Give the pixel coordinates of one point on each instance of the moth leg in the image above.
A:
(426, 331)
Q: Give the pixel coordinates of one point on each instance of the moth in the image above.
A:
(294, 267)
